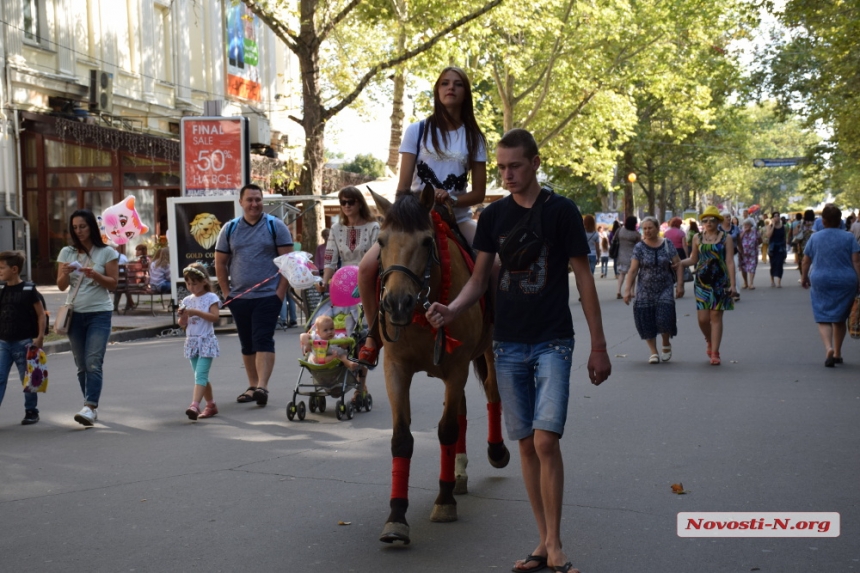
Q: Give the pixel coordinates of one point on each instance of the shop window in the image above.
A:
(61, 205)
(66, 180)
(29, 156)
(150, 179)
(31, 181)
(31, 211)
(98, 201)
(62, 154)
(136, 161)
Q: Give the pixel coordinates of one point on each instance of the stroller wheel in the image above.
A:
(312, 404)
(291, 411)
(341, 411)
(321, 404)
(301, 410)
(368, 403)
(349, 411)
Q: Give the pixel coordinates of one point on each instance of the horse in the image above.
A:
(419, 265)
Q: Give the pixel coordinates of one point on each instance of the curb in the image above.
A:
(124, 336)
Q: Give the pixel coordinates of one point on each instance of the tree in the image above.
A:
(366, 164)
(313, 29)
(811, 68)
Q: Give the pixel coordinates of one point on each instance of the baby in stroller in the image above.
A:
(318, 346)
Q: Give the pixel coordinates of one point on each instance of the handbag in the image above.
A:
(64, 313)
(524, 242)
(614, 246)
(854, 319)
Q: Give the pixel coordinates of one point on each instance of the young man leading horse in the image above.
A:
(533, 335)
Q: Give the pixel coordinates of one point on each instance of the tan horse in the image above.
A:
(412, 279)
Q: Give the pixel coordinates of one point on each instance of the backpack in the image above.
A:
(270, 222)
(616, 244)
(29, 285)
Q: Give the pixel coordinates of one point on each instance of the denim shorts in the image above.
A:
(534, 382)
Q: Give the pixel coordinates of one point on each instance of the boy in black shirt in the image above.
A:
(22, 323)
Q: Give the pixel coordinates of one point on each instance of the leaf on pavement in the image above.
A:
(344, 523)
(620, 356)
(678, 488)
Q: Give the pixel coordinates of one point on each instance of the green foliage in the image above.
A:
(811, 68)
(366, 164)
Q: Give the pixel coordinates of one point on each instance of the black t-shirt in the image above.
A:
(532, 306)
(18, 319)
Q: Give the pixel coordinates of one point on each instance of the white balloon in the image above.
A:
(298, 269)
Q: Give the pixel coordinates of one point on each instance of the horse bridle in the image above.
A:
(423, 288)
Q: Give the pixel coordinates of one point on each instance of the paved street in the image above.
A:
(147, 490)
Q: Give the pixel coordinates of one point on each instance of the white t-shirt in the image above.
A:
(448, 169)
(91, 297)
(198, 326)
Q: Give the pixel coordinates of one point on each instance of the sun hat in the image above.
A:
(711, 212)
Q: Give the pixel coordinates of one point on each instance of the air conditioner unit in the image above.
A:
(101, 91)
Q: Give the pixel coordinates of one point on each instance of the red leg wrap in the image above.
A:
(461, 439)
(400, 478)
(448, 456)
(494, 419)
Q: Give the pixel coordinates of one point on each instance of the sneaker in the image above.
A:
(87, 416)
(192, 412)
(210, 410)
(30, 417)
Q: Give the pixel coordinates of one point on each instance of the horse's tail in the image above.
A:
(482, 370)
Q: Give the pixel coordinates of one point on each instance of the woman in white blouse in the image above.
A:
(351, 237)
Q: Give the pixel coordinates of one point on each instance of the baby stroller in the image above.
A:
(332, 379)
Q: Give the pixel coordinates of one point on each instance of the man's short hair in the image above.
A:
(13, 259)
(520, 138)
(831, 216)
(250, 186)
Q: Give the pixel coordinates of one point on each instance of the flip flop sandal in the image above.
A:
(261, 396)
(566, 568)
(539, 559)
(244, 398)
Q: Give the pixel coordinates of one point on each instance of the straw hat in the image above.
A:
(711, 212)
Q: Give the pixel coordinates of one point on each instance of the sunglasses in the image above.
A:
(709, 220)
(347, 202)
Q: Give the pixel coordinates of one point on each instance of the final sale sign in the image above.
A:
(214, 156)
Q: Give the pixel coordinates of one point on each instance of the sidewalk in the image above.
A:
(135, 324)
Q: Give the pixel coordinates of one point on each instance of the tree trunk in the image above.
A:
(397, 107)
(310, 179)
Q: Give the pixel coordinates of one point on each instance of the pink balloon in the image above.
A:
(343, 284)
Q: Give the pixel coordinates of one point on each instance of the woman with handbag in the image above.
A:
(91, 268)
(713, 255)
(656, 290)
(831, 266)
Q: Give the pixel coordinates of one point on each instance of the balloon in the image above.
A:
(121, 223)
(344, 287)
(298, 269)
(753, 209)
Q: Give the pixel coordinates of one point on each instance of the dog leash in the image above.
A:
(241, 294)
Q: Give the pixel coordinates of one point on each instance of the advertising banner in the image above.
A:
(243, 62)
(194, 224)
(214, 156)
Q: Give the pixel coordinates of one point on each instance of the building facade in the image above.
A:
(93, 92)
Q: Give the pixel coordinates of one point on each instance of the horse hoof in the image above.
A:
(461, 485)
(498, 455)
(395, 532)
(443, 513)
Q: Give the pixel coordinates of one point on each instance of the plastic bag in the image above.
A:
(298, 269)
(36, 377)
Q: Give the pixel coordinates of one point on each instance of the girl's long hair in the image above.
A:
(440, 116)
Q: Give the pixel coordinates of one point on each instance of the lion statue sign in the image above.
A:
(205, 228)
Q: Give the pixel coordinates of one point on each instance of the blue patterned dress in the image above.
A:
(712, 285)
(832, 275)
(654, 308)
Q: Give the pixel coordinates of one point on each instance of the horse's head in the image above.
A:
(407, 250)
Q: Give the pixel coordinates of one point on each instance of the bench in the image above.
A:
(134, 280)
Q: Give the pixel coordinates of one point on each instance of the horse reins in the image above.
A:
(423, 286)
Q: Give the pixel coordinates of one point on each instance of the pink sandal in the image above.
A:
(715, 358)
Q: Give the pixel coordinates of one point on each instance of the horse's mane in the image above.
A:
(406, 215)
